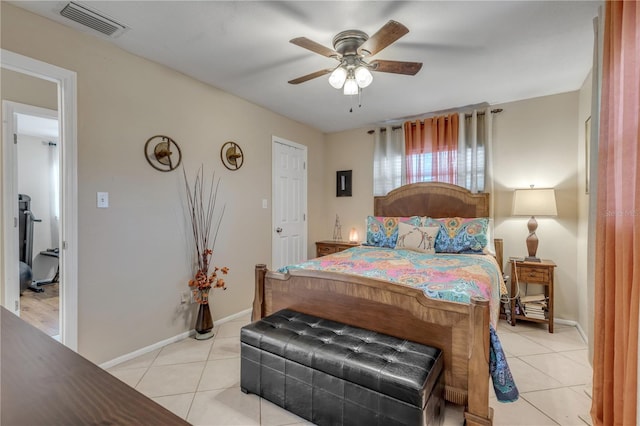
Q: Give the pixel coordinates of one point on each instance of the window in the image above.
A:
(451, 149)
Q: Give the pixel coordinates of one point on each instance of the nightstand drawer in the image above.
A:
(533, 275)
(325, 250)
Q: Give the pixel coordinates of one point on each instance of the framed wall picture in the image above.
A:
(343, 183)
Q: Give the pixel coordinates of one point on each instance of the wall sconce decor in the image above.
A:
(343, 183)
(534, 202)
(162, 153)
(231, 155)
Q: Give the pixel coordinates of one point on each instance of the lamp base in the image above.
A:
(532, 259)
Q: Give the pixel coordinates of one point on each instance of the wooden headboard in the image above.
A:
(433, 199)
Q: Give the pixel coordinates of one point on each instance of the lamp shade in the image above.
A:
(534, 202)
(363, 76)
(337, 77)
(350, 87)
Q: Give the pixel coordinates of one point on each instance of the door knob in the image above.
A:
(278, 230)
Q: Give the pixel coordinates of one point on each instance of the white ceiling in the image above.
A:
(473, 51)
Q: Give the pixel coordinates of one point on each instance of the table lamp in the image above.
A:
(534, 202)
(353, 235)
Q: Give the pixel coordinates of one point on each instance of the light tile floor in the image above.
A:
(200, 380)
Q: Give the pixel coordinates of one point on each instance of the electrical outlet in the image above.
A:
(103, 200)
(185, 297)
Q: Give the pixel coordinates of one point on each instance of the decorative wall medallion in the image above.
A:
(231, 155)
(163, 153)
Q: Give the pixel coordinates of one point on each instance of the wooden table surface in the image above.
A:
(42, 382)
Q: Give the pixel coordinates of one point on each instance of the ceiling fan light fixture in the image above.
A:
(363, 76)
(351, 48)
(338, 77)
(350, 86)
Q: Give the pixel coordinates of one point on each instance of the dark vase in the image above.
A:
(204, 323)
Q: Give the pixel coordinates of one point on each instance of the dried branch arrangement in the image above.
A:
(201, 203)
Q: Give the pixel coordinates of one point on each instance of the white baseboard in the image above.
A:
(573, 324)
(165, 342)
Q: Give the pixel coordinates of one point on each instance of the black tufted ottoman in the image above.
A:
(332, 374)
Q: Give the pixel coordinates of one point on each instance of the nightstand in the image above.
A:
(324, 248)
(541, 273)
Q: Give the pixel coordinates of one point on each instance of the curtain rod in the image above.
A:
(383, 129)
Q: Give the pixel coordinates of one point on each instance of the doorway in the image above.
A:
(38, 177)
(65, 82)
(289, 177)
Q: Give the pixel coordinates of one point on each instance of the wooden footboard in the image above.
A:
(461, 331)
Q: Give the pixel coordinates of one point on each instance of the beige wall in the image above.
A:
(349, 150)
(134, 257)
(22, 88)
(535, 142)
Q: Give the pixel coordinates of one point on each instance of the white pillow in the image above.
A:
(417, 238)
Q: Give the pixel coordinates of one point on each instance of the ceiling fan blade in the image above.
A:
(396, 67)
(390, 32)
(314, 47)
(310, 76)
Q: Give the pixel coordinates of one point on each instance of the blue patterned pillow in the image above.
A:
(459, 235)
(383, 231)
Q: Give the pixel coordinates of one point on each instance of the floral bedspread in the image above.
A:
(452, 277)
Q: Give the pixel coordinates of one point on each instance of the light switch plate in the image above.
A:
(103, 200)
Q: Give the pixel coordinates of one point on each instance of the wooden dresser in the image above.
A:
(326, 247)
(46, 383)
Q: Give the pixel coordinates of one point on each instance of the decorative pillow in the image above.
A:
(418, 238)
(383, 231)
(459, 235)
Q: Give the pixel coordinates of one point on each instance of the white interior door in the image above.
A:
(289, 233)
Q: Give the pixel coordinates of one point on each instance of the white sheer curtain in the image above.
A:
(388, 159)
(475, 168)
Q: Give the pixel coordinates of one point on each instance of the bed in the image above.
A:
(460, 330)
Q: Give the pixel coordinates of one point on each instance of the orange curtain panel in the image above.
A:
(431, 148)
(617, 269)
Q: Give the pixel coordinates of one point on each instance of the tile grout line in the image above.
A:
(530, 336)
(147, 369)
(195, 392)
(539, 410)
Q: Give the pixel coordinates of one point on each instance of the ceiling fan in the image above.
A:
(350, 48)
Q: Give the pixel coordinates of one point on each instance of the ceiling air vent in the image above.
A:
(89, 18)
